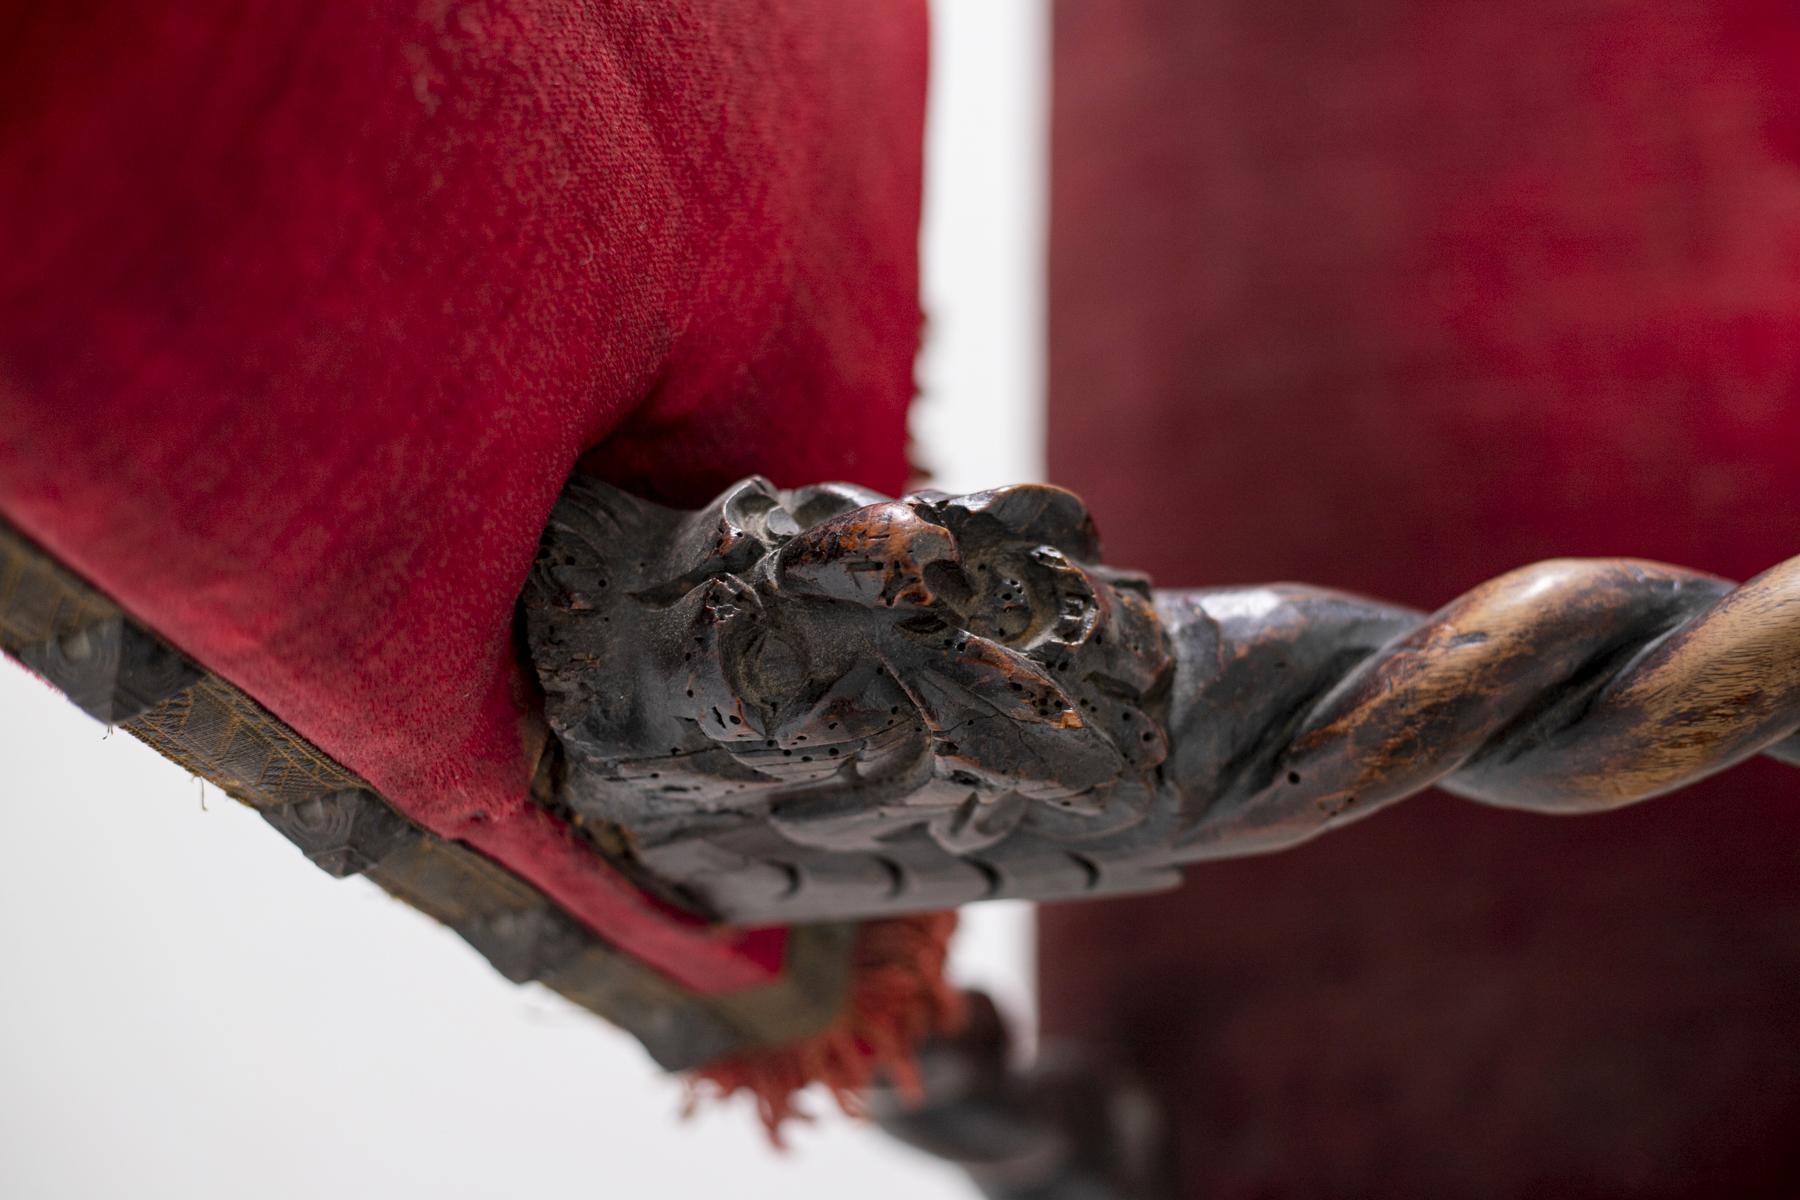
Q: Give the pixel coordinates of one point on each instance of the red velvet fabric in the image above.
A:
(307, 310)
(1396, 296)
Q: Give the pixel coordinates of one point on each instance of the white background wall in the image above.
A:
(188, 1008)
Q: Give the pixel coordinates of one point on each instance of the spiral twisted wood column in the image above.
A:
(1568, 686)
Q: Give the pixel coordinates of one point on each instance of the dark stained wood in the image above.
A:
(791, 706)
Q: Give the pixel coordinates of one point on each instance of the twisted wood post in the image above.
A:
(1568, 686)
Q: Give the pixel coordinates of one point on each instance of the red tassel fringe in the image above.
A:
(898, 997)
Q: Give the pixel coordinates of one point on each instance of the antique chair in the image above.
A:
(423, 424)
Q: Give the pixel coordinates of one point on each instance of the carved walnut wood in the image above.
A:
(790, 706)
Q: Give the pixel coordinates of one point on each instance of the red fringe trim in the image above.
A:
(898, 997)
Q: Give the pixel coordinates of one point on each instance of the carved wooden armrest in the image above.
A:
(823, 703)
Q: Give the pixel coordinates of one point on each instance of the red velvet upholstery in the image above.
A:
(307, 310)
(1396, 296)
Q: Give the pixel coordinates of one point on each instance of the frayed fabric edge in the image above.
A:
(898, 997)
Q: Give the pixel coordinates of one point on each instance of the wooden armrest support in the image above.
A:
(818, 704)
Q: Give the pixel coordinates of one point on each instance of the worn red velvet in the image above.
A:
(307, 310)
(1396, 296)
